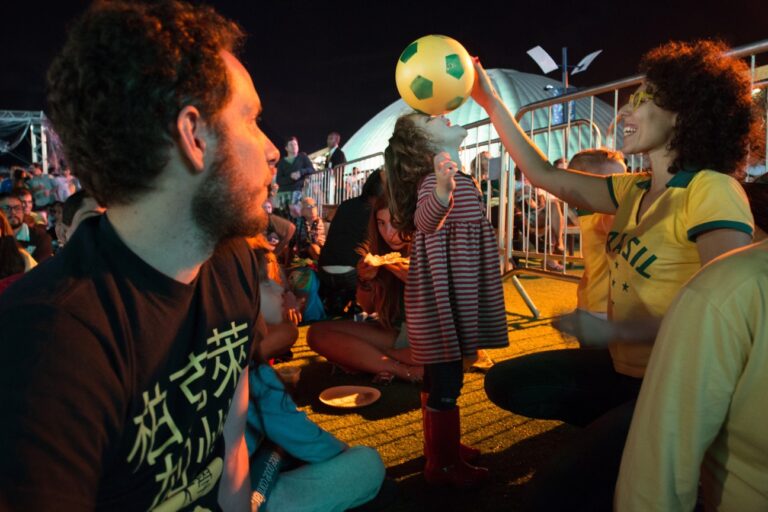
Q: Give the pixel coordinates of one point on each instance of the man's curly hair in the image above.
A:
(711, 94)
(407, 159)
(118, 85)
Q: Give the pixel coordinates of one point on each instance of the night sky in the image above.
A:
(322, 66)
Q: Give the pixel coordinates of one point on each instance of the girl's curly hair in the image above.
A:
(126, 71)
(407, 159)
(711, 94)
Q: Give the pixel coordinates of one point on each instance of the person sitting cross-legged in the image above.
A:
(379, 347)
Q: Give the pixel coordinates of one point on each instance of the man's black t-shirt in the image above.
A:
(115, 379)
(348, 231)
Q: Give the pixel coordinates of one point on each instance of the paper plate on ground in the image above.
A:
(350, 397)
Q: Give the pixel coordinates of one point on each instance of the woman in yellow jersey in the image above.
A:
(692, 117)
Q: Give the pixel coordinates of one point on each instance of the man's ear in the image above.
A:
(194, 137)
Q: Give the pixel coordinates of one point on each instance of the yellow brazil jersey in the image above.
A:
(650, 258)
(592, 293)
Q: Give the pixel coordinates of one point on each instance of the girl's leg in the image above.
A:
(360, 346)
(442, 429)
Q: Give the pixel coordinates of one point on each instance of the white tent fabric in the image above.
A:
(517, 89)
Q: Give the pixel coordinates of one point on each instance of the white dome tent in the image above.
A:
(517, 89)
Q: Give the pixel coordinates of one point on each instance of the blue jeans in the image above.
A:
(580, 387)
(347, 480)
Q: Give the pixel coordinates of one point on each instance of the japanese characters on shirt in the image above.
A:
(163, 446)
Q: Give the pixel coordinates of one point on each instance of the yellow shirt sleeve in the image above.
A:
(730, 211)
(620, 185)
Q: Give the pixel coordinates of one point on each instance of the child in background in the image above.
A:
(592, 293)
(310, 231)
(454, 302)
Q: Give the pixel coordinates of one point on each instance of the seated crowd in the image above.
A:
(179, 307)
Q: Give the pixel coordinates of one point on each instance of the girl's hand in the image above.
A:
(445, 172)
(400, 270)
(483, 91)
(366, 272)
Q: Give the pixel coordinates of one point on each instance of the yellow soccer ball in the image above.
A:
(434, 74)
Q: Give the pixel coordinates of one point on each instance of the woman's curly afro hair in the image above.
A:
(711, 94)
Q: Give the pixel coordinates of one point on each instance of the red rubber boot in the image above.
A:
(468, 453)
(441, 449)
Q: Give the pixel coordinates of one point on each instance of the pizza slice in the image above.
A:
(391, 258)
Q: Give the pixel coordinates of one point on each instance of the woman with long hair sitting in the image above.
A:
(379, 347)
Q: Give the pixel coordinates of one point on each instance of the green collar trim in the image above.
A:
(680, 180)
(645, 184)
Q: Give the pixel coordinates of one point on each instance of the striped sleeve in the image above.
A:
(430, 213)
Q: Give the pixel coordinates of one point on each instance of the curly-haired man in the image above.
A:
(122, 376)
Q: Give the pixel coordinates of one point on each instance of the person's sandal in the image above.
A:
(483, 363)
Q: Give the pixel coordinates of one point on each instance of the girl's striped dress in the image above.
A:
(454, 301)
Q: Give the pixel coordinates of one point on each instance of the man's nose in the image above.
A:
(272, 154)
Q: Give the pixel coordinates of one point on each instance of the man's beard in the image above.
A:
(223, 208)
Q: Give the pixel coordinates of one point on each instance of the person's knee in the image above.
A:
(317, 334)
(368, 465)
(505, 382)
(499, 380)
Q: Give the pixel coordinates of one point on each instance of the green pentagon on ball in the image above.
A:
(409, 52)
(455, 103)
(421, 87)
(453, 66)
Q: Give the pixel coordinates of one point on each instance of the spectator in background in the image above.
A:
(310, 231)
(592, 292)
(291, 172)
(56, 228)
(354, 183)
(31, 218)
(339, 257)
(335, 156)
(34, 239)
(280, 231)
(14, 260)
(66, 185)
(42, 187)
(17, 179)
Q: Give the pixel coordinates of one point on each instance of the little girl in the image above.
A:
(454, 302)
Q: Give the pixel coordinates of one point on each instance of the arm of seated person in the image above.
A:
(399, 269)
(278, 340)
(595, 332)
(366, 293)
(314, 251)
(273, 413)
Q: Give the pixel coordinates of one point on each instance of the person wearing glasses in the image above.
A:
(692, 117)
(34, 239)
